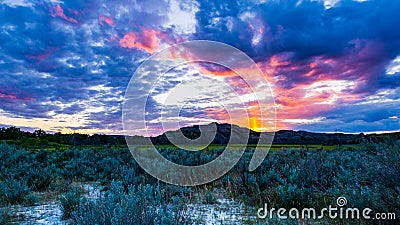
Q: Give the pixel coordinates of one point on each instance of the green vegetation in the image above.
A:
(140, 204)
(291, 176)
(40, 140)
(5, 216)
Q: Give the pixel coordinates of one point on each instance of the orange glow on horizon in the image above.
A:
(255, 124)
(317, 93)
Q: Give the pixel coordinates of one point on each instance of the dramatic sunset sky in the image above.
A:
(334, 65)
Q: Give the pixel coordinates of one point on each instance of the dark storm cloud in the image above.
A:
(66, 57)
(308, 30)
(55, 56)
(305, 43)
(369, 117)
(219, 21)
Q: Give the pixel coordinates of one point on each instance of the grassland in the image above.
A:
(291, 176)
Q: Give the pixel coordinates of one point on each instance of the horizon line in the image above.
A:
(121, 132)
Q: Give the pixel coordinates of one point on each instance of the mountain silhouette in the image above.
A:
(223, 135)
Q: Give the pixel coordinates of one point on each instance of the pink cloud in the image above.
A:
(42, 57)
(106, 19)
(308, 88)
(58, 11)
(112, 38)
(149, 40)
(146, 40)
(6, 96)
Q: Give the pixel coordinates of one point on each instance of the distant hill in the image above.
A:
(223, 134)
(281, 137)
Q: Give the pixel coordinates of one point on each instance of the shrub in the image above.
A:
(367, 175)
(209, 198)
(16, 192)
(140, 205)
(5, 217)
(71, 201)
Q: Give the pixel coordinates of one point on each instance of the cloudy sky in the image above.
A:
(333, 65)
